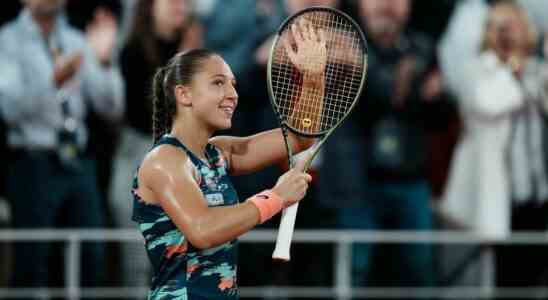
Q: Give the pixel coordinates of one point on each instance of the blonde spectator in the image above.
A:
(498, 177)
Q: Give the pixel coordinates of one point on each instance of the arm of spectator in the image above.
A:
(14, 94)
(380, 88)
(263, 52)
(19, 99)
(104, 87)
(102, 80)
(433, 106)
(461, 41)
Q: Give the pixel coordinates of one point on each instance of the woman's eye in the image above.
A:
(218, 82)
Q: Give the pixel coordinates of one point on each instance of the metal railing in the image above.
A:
(341, 288)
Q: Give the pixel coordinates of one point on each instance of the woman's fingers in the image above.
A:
(289, 49)
(297, 35)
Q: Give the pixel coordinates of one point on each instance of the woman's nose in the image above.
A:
(232, 93)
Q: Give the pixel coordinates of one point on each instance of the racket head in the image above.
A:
(345, 71)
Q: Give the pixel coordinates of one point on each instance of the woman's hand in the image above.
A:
(292, 185)
(102, 34)
(66, 67)
(310, 56)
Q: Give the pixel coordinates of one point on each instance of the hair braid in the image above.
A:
(163, 108)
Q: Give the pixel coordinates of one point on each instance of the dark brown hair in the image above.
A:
(179, 71)
(142, 32)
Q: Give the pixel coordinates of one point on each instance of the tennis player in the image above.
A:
(184, 201)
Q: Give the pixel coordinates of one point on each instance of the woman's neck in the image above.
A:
(193, 136)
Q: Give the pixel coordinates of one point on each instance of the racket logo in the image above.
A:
(306, 122)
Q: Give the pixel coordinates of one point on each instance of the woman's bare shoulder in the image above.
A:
(163, 161)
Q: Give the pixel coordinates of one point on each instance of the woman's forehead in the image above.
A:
(504, 13)
(215, 65)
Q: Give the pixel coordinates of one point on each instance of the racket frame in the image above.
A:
(285, 233)
(283, 123)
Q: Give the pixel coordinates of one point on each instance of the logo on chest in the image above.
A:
(215, 199)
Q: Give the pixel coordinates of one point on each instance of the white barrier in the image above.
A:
(341, 288)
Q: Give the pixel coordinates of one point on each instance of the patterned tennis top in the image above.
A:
(181, 271)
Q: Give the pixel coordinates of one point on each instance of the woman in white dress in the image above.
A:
(499, 164)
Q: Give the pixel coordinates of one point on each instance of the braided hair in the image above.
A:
(179, 71)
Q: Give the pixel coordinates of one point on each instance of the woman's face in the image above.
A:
(170, 14)
(213, 94)
(507, 32)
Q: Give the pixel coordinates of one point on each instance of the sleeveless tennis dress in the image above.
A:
(181, 271)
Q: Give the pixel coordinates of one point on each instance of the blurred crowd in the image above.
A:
(450, 131)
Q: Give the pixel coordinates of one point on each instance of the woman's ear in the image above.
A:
(183, 95)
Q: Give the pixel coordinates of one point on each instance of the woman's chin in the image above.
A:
(225, 125)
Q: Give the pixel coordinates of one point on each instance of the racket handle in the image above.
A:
(285, 233)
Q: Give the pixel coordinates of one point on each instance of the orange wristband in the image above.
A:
(268, 204)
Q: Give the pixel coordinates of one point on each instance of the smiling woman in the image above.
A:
(184, 201)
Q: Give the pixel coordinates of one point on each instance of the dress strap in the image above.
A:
(171, 140)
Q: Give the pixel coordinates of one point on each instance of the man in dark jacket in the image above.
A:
(383, 144)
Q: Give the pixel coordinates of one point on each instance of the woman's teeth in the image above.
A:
(228, 110)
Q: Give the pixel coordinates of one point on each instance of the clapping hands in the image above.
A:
(102, 34)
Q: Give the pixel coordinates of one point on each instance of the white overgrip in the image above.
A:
(285, 233)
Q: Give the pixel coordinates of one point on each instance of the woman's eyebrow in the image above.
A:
(224, 76)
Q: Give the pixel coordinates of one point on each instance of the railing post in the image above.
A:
(343, 268)
(488, 271)
(72, 267)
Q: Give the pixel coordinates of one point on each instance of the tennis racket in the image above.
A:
(316, 72)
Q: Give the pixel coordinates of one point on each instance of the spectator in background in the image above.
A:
(161, 28)
(52, 76)
(104, 133)
(383, 144)
(462, 39)
(498, 180)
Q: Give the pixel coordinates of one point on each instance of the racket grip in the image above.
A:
(285, 233)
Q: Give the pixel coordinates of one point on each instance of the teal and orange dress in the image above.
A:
(181, 271)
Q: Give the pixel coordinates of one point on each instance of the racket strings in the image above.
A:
(343, 76)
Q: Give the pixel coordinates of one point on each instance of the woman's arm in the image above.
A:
(249, 154)
(167, 177)
(168, 174)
